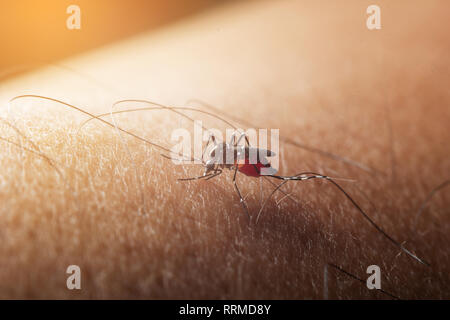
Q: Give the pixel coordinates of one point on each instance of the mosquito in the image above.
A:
(222, 151)
(228, 156)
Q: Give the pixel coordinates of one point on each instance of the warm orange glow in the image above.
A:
(110, 203)
(33, 32)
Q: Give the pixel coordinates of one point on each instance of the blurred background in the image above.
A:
(32, 35)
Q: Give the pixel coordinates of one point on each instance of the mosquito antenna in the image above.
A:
(292, 142)
(95, 117)
(429, 197)
(313, 175)
(360, 280)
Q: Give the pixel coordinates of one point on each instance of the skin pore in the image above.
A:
(109, 203)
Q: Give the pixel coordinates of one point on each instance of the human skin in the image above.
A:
(116, 209)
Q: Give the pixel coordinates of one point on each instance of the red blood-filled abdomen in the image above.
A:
(252, 170)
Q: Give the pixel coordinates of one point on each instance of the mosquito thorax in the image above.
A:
(223, 153)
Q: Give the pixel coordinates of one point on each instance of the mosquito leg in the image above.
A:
(240, 138)
(204, 150)
(312, 175)
(211, 138)
(233, 138)
(175, 159)
(235, 143)
(196, 178)
(240, 195)
(281, 190)
(267, 199)
(216, 173)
